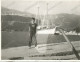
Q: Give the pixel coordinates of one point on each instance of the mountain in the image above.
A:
(6, 11)
(66, 21)
(14, 15)
(14, 20)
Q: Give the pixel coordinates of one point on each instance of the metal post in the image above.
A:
(72, 47)
(47, 15)
(38, 15)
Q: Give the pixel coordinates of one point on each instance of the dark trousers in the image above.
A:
(32, 39)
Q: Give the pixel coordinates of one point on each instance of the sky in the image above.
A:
(40, 7)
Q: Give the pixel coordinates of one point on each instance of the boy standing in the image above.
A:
(32, 30)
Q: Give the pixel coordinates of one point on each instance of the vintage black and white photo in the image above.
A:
(40, 30)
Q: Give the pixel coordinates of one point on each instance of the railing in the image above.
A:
(70, 44)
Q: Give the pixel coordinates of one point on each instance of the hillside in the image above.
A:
(68, 22)
(65, 21)
(6, 11)
(14, 20)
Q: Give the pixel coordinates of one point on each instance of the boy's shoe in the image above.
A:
(36, 47)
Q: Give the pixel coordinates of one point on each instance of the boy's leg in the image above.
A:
(35, 40)
(30, 41)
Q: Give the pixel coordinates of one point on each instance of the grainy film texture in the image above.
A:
(40, 30)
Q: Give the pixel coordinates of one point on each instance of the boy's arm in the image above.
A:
(36, 27)
(29, 29)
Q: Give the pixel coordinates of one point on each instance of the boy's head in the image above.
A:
(33, 20)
